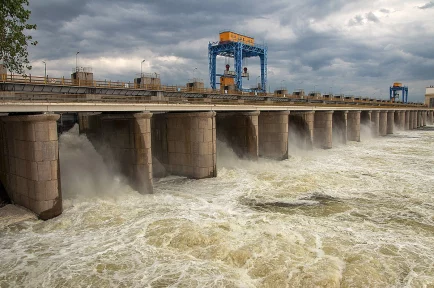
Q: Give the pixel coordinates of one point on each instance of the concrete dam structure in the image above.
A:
(149, 144)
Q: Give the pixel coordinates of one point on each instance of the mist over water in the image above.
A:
(358, 215)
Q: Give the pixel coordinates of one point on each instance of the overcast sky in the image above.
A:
(349, 46)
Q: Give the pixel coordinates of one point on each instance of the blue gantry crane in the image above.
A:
(394, 92)
(238, 47)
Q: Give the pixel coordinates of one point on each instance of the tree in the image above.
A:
(13, 41)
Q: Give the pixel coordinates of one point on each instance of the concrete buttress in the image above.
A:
(354, 126)
(390, 121)
(383, 123)
(375, 123)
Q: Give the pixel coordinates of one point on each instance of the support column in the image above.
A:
(354, 126)
(301, 127)
(382, 131)
(401, 125)
(407, 120)
(128, 137)
(375, 123)
(340, 126)
(431, 117)
(390, 121)
(29, 163)
(323, 129)
(418, 118)
(414, 119)
(423, 118)
(191, 144)
(273, 134)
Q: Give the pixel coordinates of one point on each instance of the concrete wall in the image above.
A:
(340, 126)
(301, 127)
(29, 163)
(128, 137)
(185, 144)
(390, 121)
(354, 126)
(273, 134)
(240, 131)
(375, 123)
(323, 129)
(382, 131)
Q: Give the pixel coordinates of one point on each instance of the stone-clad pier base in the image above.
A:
(323, 129)
(390, 121)
(273, 134)
(375, 123)
(354, 126)
(383, 123)
(29, 163)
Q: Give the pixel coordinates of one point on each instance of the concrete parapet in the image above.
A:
(382, 131)
(407, 120)
(390, 121)
(29, 163)
(190, 140)
(340, 126)
(354, 126)
(323, 129)
(273, 134)
(240, 131)
(375, 123)
(301, 127)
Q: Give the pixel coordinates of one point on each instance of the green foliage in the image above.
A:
(13, 41)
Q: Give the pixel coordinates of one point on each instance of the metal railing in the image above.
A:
(38, 80)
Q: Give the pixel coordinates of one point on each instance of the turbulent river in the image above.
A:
(358, 215)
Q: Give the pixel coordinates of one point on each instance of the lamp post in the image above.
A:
(76, 61)
(45, 71)
(141, 69)
(194, 70)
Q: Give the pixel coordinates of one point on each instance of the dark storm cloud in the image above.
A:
(427, 5)
(173, 36)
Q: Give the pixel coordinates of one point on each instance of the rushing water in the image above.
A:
(358, 215)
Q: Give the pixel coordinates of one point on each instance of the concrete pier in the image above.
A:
(383, 123)
(423, 118)
(400, 120)
(29, 163)
(375, 123)
(240, 131)
(273, 134)
(354, 126)
(390, 121)
(431, 117)
(418, 119)
(323, 129)
(191, 144)
(340, 126)
(407, 120)
(301, 128)
(128, 138)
